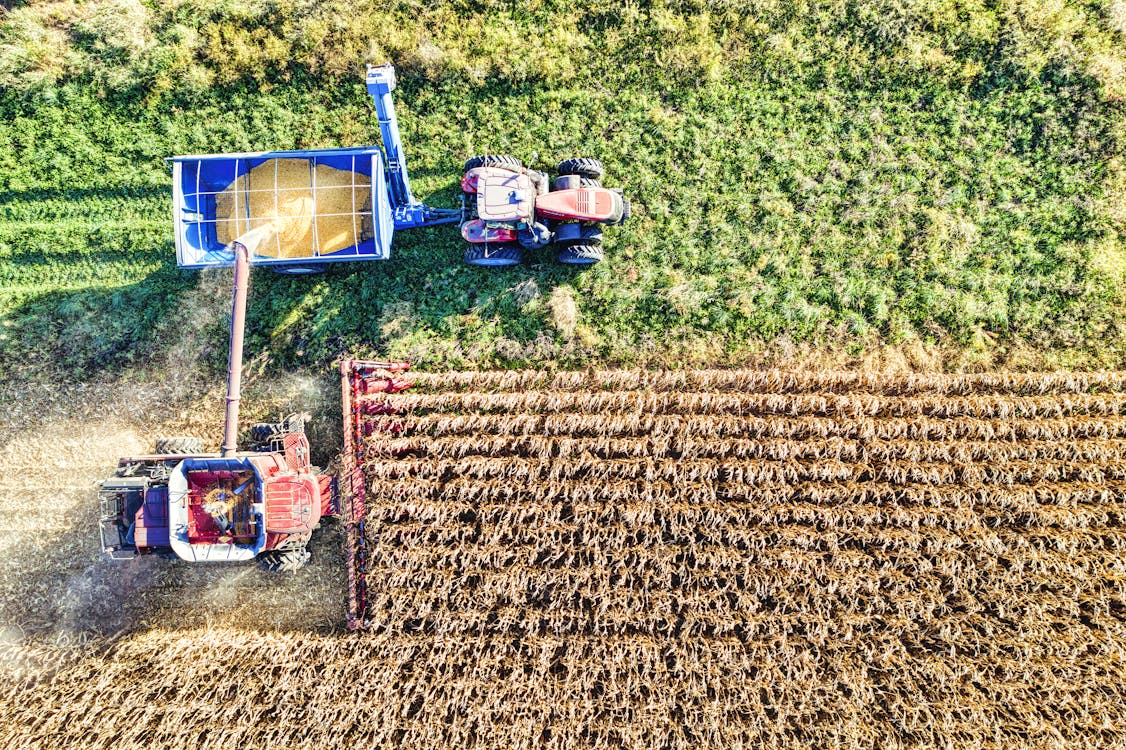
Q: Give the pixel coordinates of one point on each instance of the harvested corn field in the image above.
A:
(744, 559)
(618, 560)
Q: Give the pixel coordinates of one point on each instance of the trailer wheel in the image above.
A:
(504, 161)
(580, 255)
(285, 561)
(177, 445)
(583, 166)
(507, 254)
(301, 269)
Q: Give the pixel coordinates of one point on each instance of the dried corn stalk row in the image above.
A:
(849, 406)
(841, 683)
(664, 499)
(404, 475)
(585, 451)
(696, 526)
(516, 605)
(774, 381)
(471, 426)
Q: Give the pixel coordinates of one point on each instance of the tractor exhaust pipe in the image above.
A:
(234, 356)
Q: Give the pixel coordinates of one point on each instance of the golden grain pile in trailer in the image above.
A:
(320, 207)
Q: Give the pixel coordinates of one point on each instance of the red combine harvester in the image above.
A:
(226, 507)
(511, 208)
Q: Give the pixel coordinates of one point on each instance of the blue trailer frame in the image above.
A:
(197, 180)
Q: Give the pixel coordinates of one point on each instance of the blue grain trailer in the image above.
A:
(338, 205)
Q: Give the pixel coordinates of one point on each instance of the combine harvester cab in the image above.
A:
(210, 508)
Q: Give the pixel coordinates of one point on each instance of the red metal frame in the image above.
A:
(359, 378)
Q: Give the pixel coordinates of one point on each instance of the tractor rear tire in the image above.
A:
(580, 255)
(507, 254)
(504, 161)
(583, 166)
(169, 446)
(285, 561)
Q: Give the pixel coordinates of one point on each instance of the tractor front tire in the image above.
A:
(493, 256)
(285, 561)
(583, 166)
(504, 161)
(170, 446)
(580, 255)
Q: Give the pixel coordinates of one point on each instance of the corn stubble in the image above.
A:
(690, 559)
(737, 558)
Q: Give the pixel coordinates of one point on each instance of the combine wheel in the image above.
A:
(295, 422)
(507, 254)
(582, 166)
(167, 446)
(494, 160)
(580, 255)
(285, 561)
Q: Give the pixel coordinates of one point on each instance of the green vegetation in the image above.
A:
(827, 174)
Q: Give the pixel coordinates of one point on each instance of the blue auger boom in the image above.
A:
(347, 202)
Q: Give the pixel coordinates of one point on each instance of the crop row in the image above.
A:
(760, 472)
(773, 381)
(473, 427)
(819, 684)
(582, 453)
(126, 205)
(849, 406)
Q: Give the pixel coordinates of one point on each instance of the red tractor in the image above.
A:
(510, 208)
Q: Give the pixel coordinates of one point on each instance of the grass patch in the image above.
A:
(934, 175)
